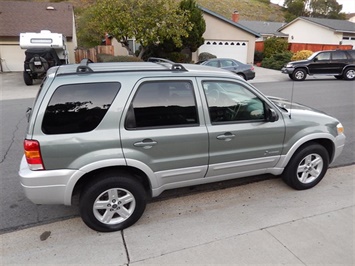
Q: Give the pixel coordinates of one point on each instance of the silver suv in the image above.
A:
(119, 133)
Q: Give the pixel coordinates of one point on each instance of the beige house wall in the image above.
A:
(304, 32)
(217, 29)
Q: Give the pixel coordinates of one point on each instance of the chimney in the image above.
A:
(235, 16)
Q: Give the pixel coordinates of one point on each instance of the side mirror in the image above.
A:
(272, 116)
(315, 59)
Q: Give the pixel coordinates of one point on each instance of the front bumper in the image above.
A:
(287, 70)
(47, 186)
(339, 146)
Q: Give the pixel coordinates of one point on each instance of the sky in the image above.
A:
(348, 5)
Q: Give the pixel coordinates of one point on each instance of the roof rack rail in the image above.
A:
(175, 66)
(83, 67)
(157, 60)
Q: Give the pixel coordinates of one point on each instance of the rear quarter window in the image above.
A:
(78, 108)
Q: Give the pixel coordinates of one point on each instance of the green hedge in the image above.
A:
(277, 61)
(111, 58)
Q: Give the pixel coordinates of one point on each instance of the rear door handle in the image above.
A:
(226, 136)
(145, 144)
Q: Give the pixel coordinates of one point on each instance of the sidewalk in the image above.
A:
(264, 223)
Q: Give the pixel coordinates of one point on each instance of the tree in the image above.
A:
(194, 39)
(326, 9)
(148, 21)
(313, 8)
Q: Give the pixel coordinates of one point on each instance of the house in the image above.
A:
(227, 38)
(266, 29)
(19, 17)
(320, 31)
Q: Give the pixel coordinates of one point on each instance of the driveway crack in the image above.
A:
(3, 157)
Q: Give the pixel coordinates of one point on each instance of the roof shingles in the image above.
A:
(17, 17)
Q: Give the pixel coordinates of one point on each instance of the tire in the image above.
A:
(299, 74)
(27, 78)
(307, 167)
(241, 75)
(339, 77)
(290, 76)
(120, 201)
(349, 73)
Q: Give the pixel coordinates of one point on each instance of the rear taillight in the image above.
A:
(252, 68)
(33, 155)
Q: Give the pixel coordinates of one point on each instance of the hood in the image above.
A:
(287, 105)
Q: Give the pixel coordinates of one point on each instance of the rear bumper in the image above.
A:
(45, 187)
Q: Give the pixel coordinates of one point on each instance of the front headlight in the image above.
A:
(289, 65)
(340, 128)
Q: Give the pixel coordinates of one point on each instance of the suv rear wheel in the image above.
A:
(349, 73)
(112, 202)
(307, 167)
(299, 74)
(27, 78)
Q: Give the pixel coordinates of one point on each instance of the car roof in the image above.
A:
(88, 67)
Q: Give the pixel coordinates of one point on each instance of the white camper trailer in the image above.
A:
(44, 50)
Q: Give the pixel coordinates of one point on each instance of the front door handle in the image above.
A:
(226, 136)
(145, 144)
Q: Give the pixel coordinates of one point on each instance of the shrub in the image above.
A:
(275, 45)
(111, 58)
(277, 61)
(301, 55)
(258, 56)
(205, 56)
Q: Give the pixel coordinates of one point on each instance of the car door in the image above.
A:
(321, 64)
(228, 65)
(162, 131)
(338, 61)
(241, 139)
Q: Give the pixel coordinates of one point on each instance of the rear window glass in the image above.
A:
(78, 108)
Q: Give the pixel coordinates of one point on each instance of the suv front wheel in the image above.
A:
(112, 202)
(299, 74)
(307, 167)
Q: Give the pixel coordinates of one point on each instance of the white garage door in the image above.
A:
(12, 58)
(228, 49)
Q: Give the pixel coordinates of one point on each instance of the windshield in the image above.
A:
(313, 56)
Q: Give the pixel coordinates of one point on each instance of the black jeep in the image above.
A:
(339, 63)
(37, 62)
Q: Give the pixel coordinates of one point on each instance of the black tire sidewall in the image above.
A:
(345, 73)
(95, 188)
(27, 78)
(290, 173)
(299, 70)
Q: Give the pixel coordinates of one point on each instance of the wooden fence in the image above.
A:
(93, 52)
(295, 47)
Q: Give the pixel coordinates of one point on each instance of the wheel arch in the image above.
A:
(136, 173)
(326, 142)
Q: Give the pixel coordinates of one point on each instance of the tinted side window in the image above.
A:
(163, 104)
(213, 63)
(232, 102)
(323, 56)
(351, 53)
(338, 55)
(77, 108)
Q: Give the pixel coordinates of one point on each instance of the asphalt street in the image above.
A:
(264, 222)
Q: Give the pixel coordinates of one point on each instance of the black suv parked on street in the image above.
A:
(340, 63)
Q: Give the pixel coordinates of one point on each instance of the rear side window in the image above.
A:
(339, 55)
(78, 108)
(162, 104)
(351, 53)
